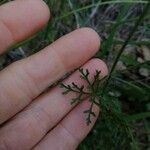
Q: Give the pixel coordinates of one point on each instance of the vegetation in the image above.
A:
(123, 96)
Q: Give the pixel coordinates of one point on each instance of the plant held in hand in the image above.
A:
(91, 91)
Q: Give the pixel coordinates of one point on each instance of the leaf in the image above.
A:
(129, 60)
(65, 92)
(86, 111)
(77, 99)
(139, 116)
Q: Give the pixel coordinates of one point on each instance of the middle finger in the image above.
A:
(23, 81)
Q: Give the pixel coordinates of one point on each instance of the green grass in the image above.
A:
(120, 23)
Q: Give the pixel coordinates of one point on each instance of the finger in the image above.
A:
(31, 125)
(23, 81)
(20, 19)
(70, 132)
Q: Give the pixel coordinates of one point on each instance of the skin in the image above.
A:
(27, 120)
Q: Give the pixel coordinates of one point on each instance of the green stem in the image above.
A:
(100, 4)
(126, 43)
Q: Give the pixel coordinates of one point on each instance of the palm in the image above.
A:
(48, 121)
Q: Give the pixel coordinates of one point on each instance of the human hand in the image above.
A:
(29, 119)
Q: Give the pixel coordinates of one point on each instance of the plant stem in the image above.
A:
(126, 43)
(100, 4)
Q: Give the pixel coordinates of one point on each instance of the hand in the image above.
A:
(45, 122)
